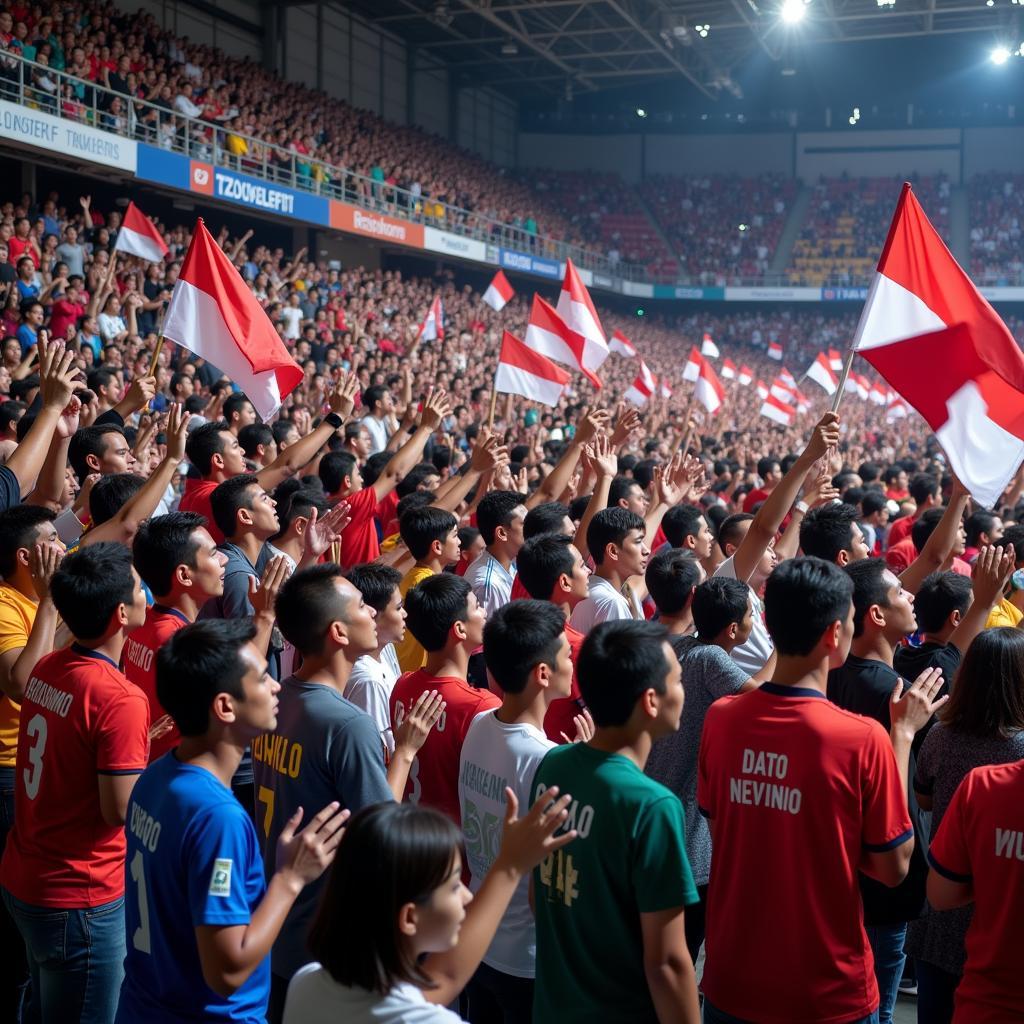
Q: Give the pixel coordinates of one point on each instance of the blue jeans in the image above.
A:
(935, 991)
(75, 961)
(887, 946)
(713, 1016)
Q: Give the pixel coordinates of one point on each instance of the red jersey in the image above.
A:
(900, 530)
(139, 665)
(387, 513)
(359, 542)
(981, 841)
(519, 592)
(197, 499)
(795, 790)
(80, 718)
(562, 711)
(755, 497)
(434, 778)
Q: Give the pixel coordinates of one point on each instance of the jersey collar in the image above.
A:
(88, 652)
(165, 610)
(791, 691)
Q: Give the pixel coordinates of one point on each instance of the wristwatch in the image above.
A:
(334, 420)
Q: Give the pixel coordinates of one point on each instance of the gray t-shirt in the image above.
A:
(708, 674)
(324, 749)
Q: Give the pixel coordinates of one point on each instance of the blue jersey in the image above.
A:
(193, 859)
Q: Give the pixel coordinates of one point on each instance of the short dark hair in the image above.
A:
(281, 428)
(89, 441)
(869, 472)
(496, 509)
(412, 480)
(1014, 536)
(392, 854)
(922, 486)
(418, 499)
(162, 544)
(869, 589)
(680, 522)
(519, 636)
(729, 531)
(101, 377)
(611, 526)
(10, 412)
(420, 527)
(548, 517)
(301, 503)
(228, 497)
(717, 603)
(927, 523)
(827, 530)
(540, 562)
(333, 469)
(468, 536)
(433, 606)
(620, 488)
(18, 527)
(373, 394)
(252, 435)
(766, 465)
(307, 605)
(618, 662)
(372, 467)
(204, 442)
(234, 403)
(941, 594)
(89, 585)
(872, 501)
(111, 493)
(376, 582)
(980, 521)
(198, 662)
(802, 598)
(671, 577)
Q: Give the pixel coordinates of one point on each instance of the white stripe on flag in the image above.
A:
(137, 244)
(516, 381)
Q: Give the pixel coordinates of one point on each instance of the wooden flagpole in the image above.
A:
(842, 380)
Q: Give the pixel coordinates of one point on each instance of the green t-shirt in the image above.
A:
(628, 859)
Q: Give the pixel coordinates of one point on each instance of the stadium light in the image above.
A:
(640, 112)
(1000, 55)
(793, 11)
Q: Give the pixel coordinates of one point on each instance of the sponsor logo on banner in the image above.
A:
(602, 280)
(768, 294)
(512, 260)
(454, 245)
(200, 177)
(68, 138)
(844, 294)
(375, 225)
(255, 194)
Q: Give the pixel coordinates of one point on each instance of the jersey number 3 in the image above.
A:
(33, 774)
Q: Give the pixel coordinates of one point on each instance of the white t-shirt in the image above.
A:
(495, 755)
(369, 687)
(292, 317)
(754, 654)
(490, 581)
(603, 604)
(314, 997)
(379, 435)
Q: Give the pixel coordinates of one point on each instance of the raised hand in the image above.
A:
(264, 596)
(488, 454)
(342, 398)
(590, 424)
(176, 432)
(57, 373)
(526, 841)
(602, 457)
(911, 709)
(416, 726)
(43, 561)
(68, 422)
(304, 856)
(141, 392)
(161, 727)
(819, 490)
(320, 534)
(824, 436)
(992, 569)
(435, 408)
(626, 421)
(584, 724)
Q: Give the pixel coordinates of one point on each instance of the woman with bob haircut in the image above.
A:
(394, 940)
(983, 724)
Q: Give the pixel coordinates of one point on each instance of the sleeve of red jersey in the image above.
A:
(362, 505)
(886, 820)
(949, 853)
(705, 794)
(122, 741)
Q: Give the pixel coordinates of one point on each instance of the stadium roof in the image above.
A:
(570, 47)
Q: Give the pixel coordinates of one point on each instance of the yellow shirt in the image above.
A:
(1004, 614)
(17, 614)
(411, 654)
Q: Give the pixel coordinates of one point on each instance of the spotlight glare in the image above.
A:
(793, 11)
(640, 112)
(1000, 55)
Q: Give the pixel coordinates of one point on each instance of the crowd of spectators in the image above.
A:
(996, 211)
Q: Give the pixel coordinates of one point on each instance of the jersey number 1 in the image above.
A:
(140, 938)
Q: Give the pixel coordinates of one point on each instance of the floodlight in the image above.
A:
(793, 11)
(1000, 55)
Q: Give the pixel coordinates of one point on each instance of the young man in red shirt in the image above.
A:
(444, 616)
(800, 795)
(82, 742)
(180, 563)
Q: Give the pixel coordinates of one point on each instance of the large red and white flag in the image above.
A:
(621, 345)
(761, 388)
(577, 311)
(643, 387)
(775, 350)
(213, 314)
(138, 236)
(499, 291)
(691, 371)
(820, 371)
(781, 390)
(432, 328)
(521, 371)
(728, 369)
(835, 360)
(778, 411)
(708, 347)
(708, 389)
(549, 335)
(746, 376)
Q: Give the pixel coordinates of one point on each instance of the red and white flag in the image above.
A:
(746, 376)
(937, 342)
(729, 369)
(621, 345)
(499, 291)
(138, 236)
(578, 313)
(835, 360)
(708, 347)
(432, 328)
(761, 388)
(877, 393)
(787, 378)
(781, 390)
(821, 373)
(861, 386)
(547, 334)
(775, 350)
(778, 411)
(691, 371)
(666, 388)
(803, 403)
(708, 389)
(521, 371)
(643, 387)
(896, 408)
(213, 314)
